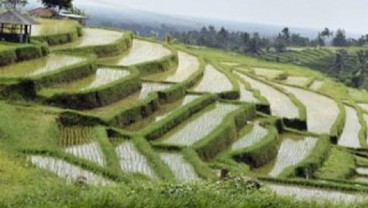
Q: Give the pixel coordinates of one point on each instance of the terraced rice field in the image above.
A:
(350, 134)
(268, 73)
(132, 161)
(246, 95)
(315, 194)
(298, 81)
(188, 65)
(147, 88)
(213, 81)
(72, 136)
(291, 152)
(91, 152)
(103, 76)
(66, 170)
(182, 170)
(322, 111)
(140, 52)
(48, 64)
(316, 85)
(199, 126)
(93, 37)
(254, 136)
(280, 103)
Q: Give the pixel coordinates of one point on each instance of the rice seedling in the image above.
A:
(66, 170)
(79, 141)
(140, 52)
(198, 127)
(298, 81)
(350, 134)
(91, 152)
(132, 161)
(213, 81)
(315, 194)
(182, 170)
(291, 152)
(254, 136)
(53, 62)
(322, 111)
(74, 135)
(280, 103)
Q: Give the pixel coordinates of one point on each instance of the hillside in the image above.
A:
(95, 117)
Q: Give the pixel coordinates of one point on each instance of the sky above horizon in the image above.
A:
(350, 15)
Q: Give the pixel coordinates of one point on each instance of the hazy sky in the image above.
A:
(351, 15)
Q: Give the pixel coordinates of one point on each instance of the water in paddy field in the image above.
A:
(187, 66)
(140, 52)
(132, 161)
(254, 136)
(322, 111)
(316, 194)
(103, 76)
(182, 170)
(51, 63)
(66, 170)
(280, 103)
(207, 84)
(292, 150)
(199, 125)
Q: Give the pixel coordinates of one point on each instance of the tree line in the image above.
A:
(57, 4)
(253, 43)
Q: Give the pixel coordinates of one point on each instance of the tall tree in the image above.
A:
(285, 34)
(326, 32)
(340, 38)
(362, 72)
(12, 4)
(59, 4)
(253, 46)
